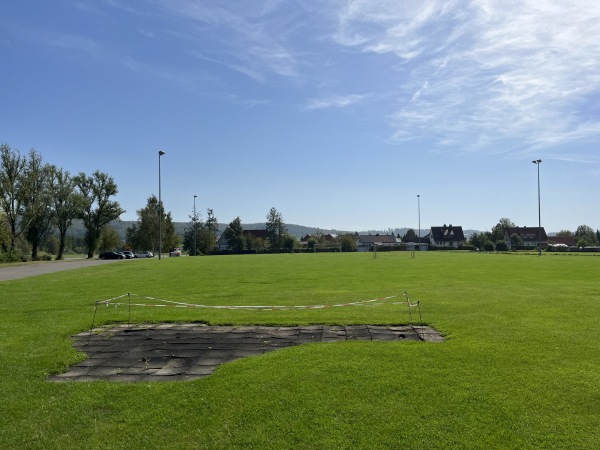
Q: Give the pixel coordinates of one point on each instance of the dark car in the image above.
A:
(111, 255)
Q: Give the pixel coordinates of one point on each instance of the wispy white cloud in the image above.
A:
(479, 73)
(339, 101)
(252, 36)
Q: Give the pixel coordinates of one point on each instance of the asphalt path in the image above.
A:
(44, 267)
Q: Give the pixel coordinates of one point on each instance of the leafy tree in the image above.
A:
(39, 211)
(479, 239)
(191, 246)
(598, 235)
(212, 223)
(170, 237)
(143, 235)
(276, 230)
(501, 246)
(516, 240)
(68, 204)
(4, 233)
(205, 239)
(489, 246)
(256, 243)
(234, 234)
(410, 236)
(565, 233)
(98, 209)
(500, 228)
(205, 232)
(109, 239)
(52, 244)
(14, 191)
(290, 243)
(586, 236)
(348, 242)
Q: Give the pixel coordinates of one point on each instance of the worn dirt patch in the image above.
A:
(169, 352)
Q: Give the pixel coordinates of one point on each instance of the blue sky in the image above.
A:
(337, 113)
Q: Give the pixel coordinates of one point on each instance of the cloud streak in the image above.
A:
(485, 72)
(339, 101)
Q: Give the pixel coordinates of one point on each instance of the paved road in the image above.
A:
(40, 268)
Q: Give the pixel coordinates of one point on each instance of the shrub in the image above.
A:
(501, 246)
(489, 246)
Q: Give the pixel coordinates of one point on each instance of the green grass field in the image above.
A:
(520, 367)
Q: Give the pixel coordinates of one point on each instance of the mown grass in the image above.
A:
(520, 367)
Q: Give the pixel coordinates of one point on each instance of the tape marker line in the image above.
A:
(248, 307)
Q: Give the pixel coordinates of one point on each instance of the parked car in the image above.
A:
(128, 254)
(175, 252)
(146, 254)
(111, 255)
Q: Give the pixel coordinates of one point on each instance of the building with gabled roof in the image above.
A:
(365, 241)
(447, 236)
(529, 235)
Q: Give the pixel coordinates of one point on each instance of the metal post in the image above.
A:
(419, 209)
(195, 230)
(537, 162)
(160, 153)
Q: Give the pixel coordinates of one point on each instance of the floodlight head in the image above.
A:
(160, 153)
(536, 161)
(195, 196)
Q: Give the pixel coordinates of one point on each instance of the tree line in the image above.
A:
(37, 198)
(584, 236)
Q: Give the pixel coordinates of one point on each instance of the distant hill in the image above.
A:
(299, 231)
(78, 230)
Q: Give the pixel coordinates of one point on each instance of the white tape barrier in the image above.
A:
(171, 303)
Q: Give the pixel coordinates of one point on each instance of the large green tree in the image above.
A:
(143, 235)
(14, 191)
(586, 236)
(39, 205)
(109, 239)
(568, 233)
(410, 236)
(276, 230)
(234, 233)
(4, 233)
(500, 228)
(68, 204)
(479, 240)
(205, 234)
(98, 208)
(348, 242)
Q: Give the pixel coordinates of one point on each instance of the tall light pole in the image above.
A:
(195, 231)
(537, 162)
(419, 209)
(160, 153)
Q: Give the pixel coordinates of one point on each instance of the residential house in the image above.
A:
(447, 236)
(567, 241)
(529, 235)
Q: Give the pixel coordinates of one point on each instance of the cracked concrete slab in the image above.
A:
(174, 352)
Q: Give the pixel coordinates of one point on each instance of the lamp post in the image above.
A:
(419, 210)
(195, 231)
(537, 162)
(160, 153)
